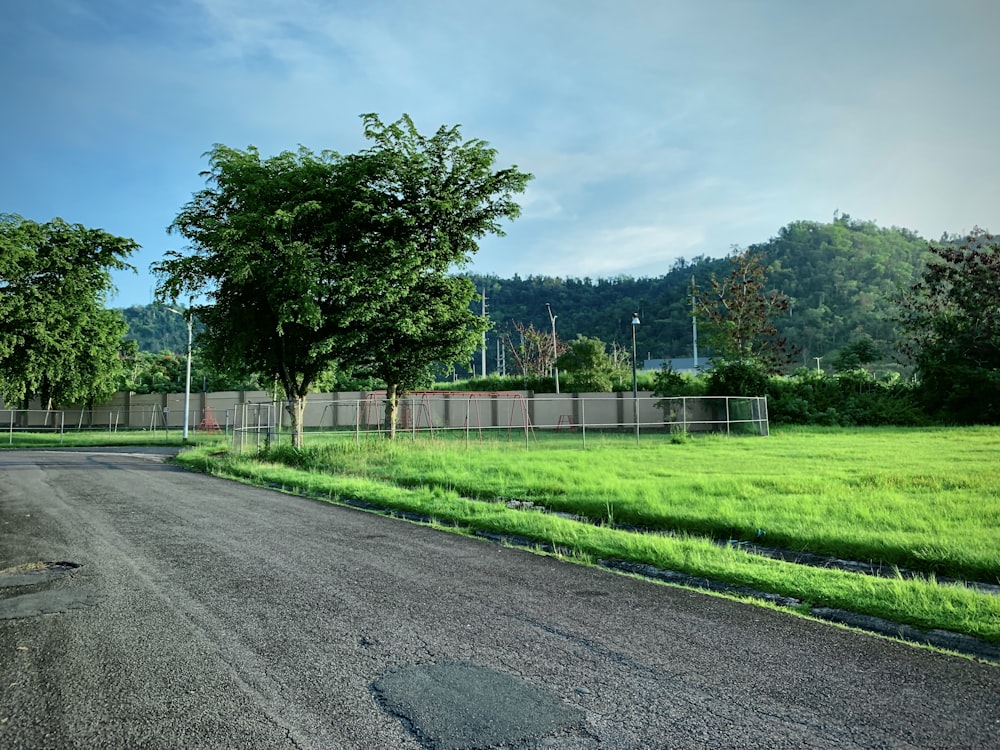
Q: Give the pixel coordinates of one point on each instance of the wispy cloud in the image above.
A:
(655, 128)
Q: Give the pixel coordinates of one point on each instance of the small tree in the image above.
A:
(740, 312)
(590, 366)
(857, 354)
(442, 195)
(532, 350)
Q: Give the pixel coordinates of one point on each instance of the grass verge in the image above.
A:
(387, 475)
(103, 438)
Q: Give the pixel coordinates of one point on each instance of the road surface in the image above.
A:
(208, 614)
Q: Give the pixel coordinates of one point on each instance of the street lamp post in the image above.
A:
(187, 382)
(555, 356)
(635, 385)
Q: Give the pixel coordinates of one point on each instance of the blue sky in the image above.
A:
(656, 129)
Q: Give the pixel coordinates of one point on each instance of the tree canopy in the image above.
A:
(59, 342)
(591, 367)
(951, 321)
(308, 261)
(445, 195)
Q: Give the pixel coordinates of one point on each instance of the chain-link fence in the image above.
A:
(113, 420)
(510, 416)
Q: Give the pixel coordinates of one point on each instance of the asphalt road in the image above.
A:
(207, 614)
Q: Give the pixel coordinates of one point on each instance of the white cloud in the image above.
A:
(655, 128)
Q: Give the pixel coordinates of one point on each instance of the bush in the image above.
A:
(737, 378)
(668, 382)
(853, 398)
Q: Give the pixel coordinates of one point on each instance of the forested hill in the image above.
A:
(155, 328)
(840, 276)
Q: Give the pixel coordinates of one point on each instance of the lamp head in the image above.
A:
(635, 318)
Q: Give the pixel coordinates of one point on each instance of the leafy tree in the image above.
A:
(856, 355)
(442, 195)
(737, 377)
(59, 343)
(311, 261)
(741, 314)
(281, 250)
(668, 382)
(591, 368)
(951, 320)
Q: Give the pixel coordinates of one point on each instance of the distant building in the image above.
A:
(681, 365)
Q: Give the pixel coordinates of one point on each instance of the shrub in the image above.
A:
(745, 377)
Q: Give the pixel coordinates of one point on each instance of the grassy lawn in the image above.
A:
(927, 500)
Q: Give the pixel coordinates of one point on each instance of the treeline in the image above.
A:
(842, 279)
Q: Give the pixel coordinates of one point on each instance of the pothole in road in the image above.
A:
(46, 603)
(34, 573)
(460, 705)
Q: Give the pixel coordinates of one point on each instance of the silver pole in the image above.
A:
(635, 386)
(555, 355)
(483, 362)
(187, 382)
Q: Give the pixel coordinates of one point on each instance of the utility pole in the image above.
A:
(635, 382)
(483, 361)
(555, 354)
(694, 324)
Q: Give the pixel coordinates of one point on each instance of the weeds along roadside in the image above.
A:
(920, 602)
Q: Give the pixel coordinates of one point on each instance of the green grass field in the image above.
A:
(927, 500)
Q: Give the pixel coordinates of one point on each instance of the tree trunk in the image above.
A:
(391, 409)
(296, 409)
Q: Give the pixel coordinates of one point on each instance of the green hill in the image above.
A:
(841, 278)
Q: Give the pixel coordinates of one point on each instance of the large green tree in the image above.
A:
(283, 267)
(310, 261)
(443, 194)
(951, 320)
(59, 343)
